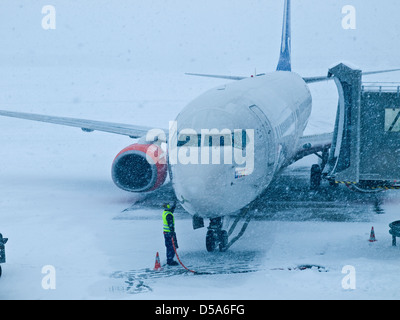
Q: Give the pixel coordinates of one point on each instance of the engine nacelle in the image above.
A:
(140, 168)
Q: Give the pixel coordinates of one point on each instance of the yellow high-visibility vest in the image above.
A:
(166, 226)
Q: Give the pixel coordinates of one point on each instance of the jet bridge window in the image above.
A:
(239, 141)
(392, 120)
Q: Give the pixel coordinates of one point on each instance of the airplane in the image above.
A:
(255, 121)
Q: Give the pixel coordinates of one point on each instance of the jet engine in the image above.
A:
(140, 168)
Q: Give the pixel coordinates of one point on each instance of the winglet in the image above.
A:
(285, 63)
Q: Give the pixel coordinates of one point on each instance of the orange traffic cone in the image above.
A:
(157, 266)
(372, 236)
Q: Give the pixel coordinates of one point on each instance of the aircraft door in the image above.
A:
(264, 133)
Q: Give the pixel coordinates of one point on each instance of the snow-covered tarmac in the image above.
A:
(60, 209)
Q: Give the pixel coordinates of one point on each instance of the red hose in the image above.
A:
(176, 253)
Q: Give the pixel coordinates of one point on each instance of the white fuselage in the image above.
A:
(274, 107)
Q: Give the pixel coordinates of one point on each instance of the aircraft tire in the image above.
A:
(223, 238)
(315, 177)
(211, 243)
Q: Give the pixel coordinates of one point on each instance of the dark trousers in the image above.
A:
(169, 246)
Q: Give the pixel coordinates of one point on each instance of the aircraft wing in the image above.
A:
(216, 76)
(306, 79)
(311, 144)
(132, 131)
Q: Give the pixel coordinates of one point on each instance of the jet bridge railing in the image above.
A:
(381, 87)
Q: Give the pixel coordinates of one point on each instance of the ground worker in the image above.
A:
(169, 232)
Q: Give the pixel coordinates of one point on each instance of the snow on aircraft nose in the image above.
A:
(205, 189)
(207, 179)
(211, 156)
(203, 166)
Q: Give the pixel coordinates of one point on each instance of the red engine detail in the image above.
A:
(140, 168)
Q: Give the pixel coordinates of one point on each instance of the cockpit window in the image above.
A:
(189, 140)
(217, 140)
(238, 139)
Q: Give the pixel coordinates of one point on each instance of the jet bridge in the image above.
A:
(365, 151)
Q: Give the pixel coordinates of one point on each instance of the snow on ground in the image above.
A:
(59, 207)
(71, 222)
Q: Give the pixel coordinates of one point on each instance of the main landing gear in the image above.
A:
(218, 238)
(315, 177)
(317, 169)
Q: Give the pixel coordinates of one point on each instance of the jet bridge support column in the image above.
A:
(344, 157)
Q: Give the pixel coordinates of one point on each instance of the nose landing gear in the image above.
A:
(217, 237)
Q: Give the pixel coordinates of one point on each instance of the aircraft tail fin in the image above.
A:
(285, 63)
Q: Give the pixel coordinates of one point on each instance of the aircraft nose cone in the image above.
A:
(203, 165)
(210, 190)
(204, 189)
